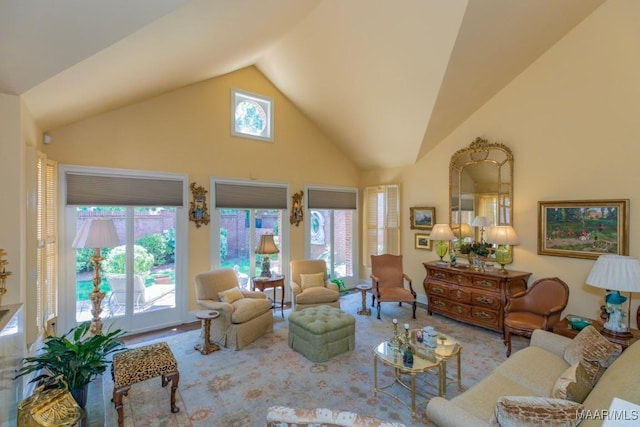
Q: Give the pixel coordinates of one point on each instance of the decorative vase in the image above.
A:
(80, 395)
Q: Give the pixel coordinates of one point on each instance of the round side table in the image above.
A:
(364, 310)
(207, 346)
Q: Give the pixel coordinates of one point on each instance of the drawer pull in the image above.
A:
(439, 275)
(484, 300)
(440, 303)
(458, 294)
(459, 309)
(460, 278)
(438, 289)
(485, 283)
(483, 314)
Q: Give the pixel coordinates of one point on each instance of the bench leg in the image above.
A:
(174, 378)
(117, 401)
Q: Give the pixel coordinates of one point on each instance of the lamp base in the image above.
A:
(616, 334)
(266, 267)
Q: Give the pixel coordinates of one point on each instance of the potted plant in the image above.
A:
(76, 357)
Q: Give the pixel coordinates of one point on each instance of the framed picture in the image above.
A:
(423, 241)
(583, 228)
(422, 218)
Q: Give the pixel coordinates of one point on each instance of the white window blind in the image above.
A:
(331, 199)
(47, 237)
(111, 190)
(237, 195)
(381, 222)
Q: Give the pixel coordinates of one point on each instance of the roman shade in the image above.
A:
(109, 190)
(332, 199)
(246, 196)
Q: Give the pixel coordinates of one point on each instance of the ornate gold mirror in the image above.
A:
(480, 194)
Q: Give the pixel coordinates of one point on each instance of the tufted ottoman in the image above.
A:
(321, 332)
(140, 364)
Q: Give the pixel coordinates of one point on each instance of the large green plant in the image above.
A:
(78, 357)
(116, 261)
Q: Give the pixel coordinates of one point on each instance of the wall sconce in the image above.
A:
(198, 210)
(297, 213)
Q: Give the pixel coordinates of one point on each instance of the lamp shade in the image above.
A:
(502, 235)
(97, 233)
(481, 221)
(462, 230)
(615, 272)
(267, 245)
(441, 232)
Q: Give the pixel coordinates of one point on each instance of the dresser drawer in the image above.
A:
(485, 283)
(486, 300)
(486, 316)
(459, 295)
(436, 288)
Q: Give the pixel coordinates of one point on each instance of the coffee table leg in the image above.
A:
(459, 372)
(375, 376)
(413, 396)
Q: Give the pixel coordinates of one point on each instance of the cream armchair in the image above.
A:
(241, 321)
(309, 285)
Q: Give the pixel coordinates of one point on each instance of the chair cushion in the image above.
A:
(317, 296)
(574, 384)
(396, 294)
(596, 351)
(230, 295)
(246, 309)
(524, 320)
(315, 280)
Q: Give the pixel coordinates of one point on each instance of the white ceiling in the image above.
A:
(386, 80)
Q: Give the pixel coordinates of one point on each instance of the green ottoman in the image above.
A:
(321, 332)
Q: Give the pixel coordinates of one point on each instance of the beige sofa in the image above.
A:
(533, 371)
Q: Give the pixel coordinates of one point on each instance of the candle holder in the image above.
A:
(394, 342)
(3, 274)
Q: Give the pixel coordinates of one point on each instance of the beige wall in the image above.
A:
(188, 131)
(571, 120)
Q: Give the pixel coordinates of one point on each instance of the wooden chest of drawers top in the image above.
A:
(488, 280)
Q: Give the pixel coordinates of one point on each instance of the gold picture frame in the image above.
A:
(423, 241)
(198, 210)
(583, 228)
(422, 218)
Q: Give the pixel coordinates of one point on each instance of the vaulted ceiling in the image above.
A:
(387, 80)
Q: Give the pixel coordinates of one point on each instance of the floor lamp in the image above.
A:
(96, 233)
(616, 273)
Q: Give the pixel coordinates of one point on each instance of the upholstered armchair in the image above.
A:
(244, 315)
(387, 282)
(309, 285)
(539, 307)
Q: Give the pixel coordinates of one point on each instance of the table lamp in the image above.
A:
(503, 236)
(442, 234)
(482, 222)
(266, 247)
(616, 273)
(96, 233)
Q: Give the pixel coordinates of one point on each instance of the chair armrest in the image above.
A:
(210, 304)
(374, 284)
(295, 288)
(406, 277)
(253, 294)
(332, 286)
(556, 309)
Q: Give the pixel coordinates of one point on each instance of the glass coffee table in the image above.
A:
(425, 359)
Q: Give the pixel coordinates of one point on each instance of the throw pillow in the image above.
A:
(230, 295)
(315, 280)
(596, 351)
(574, 384)
(525, 411)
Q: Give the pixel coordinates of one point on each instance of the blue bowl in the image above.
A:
(578, 323)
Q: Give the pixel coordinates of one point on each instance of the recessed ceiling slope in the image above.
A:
(368, 73)
(200, 40)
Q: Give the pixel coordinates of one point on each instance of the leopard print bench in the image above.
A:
(140, 364)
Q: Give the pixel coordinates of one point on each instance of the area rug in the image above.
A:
(235, 388)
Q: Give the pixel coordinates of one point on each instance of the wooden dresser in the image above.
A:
(471, 296)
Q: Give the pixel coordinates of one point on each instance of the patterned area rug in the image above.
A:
(235, 388)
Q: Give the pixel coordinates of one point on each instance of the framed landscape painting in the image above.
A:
(583, 228)
(423, 241)
(422, 218)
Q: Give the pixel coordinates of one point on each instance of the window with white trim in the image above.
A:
(251, 115)
(381, 221)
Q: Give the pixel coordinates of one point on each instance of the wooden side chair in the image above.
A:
(539, 307)
(387, 282)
